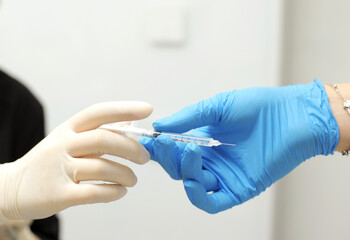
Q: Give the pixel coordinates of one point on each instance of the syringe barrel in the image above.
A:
(130, 131)
(139, 132)
(202, 141)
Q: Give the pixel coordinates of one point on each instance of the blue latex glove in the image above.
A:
(274, 129)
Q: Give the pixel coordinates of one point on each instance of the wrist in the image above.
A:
(342, 117)
(3, 219)
(8, 192)
(3, 199)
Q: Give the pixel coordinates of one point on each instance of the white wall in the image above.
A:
(73, 53)
(313, 201)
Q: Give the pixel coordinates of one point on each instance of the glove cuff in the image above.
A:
(3, 174)
(3, 219)
(324, 123)
(8, 194)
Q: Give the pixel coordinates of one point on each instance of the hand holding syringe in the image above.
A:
(131, 131)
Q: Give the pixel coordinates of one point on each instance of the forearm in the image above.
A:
(341, 115)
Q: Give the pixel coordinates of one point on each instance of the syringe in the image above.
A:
(131, 131)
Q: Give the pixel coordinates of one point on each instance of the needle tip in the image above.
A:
(228, 144)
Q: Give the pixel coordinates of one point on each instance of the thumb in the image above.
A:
(205, 112)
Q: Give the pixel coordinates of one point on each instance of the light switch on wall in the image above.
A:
(166, 24)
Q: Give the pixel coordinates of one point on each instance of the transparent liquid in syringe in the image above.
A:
(188, 139)
(137, 132)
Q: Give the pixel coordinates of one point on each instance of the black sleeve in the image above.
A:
(46, 229)
(28, 124)
(21, 128)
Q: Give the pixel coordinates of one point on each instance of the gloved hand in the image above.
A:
(274, 129)
(46, 179)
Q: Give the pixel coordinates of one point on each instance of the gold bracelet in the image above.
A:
(346, 105)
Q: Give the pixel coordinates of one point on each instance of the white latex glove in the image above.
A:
(46, 179)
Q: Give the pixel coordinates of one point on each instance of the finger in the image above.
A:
(203, 113)
(191, 163)
(94, 193)
(167, 154)
(88, 169)
(101, 141)
(192, 169)
(210, 181)
(108, 112)
(211, 203)
(147, 143)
